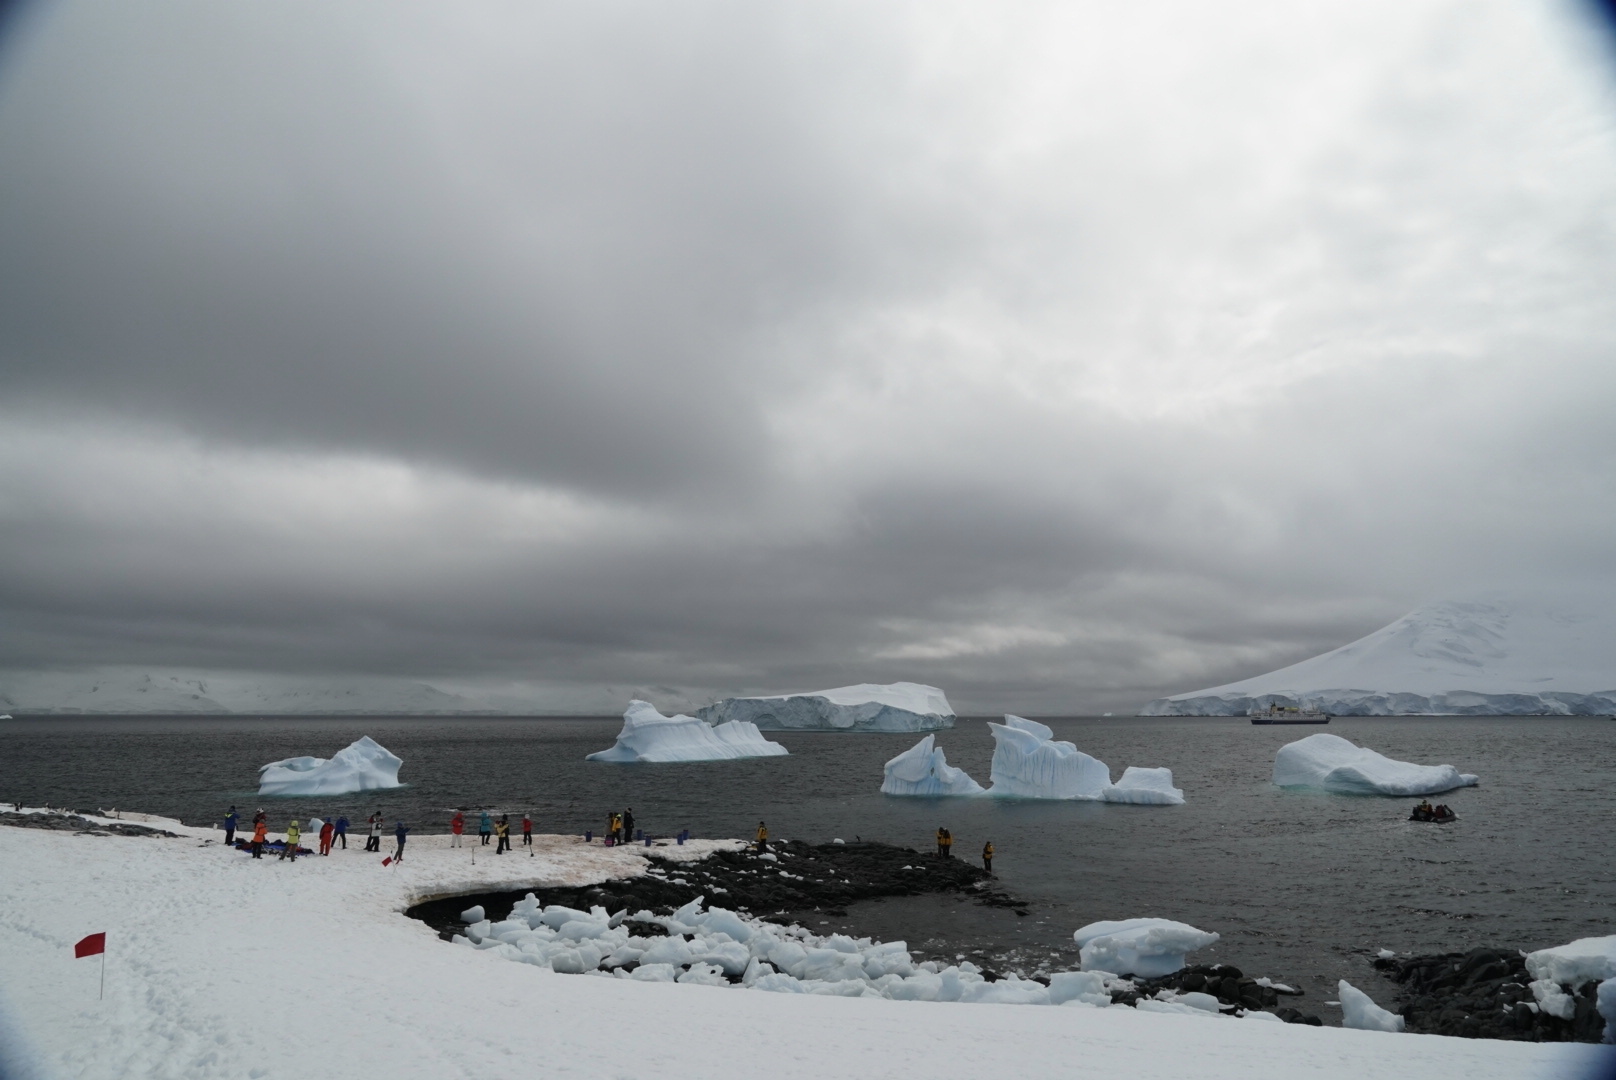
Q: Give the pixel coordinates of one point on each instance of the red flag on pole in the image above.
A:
(90, 946)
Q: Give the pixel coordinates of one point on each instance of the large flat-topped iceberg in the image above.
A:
(902, 706)
(1148, 948)
(363, 765)
(923, 770)
(1030, 763)
(1497, 657)
(647, 735)
(1331, 763)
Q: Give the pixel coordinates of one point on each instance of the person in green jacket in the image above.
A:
(293, 835)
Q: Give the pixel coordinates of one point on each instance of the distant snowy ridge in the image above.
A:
(128, 690)
(901, 706)
(1499, 657)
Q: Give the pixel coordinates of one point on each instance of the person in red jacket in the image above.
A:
(260, 828)
(527, 830)
(457, 826)
(328, 833)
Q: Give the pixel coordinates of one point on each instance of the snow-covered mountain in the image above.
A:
(1498, 656)
(127, 690)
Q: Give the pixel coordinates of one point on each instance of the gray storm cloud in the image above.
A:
(1062, 356)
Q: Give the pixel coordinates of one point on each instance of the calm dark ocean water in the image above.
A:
(1303, 888)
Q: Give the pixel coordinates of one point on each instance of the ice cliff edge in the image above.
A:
(901, 706)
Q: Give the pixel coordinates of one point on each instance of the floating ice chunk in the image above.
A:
(923, 770)
(1029, 764)
(647, 735)
(902, 706)
(1149, 948)
(1358, 1010)
(479, 930)
(363, 765)
(1584, 960)
(1331, 763)
(1144, 787)
(472, 914)
(1386, 954)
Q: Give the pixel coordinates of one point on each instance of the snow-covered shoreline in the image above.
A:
(218, 965)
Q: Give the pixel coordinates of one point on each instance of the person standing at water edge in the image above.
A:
(485, 828)
(260, 828)
(987, 856)
(527, 830)
(503, 828)
(400, 831)
(457, 826)
(762, 838)
(342, 831)
(628, 825)
(939, 841)
(230, 827)
(948, 844)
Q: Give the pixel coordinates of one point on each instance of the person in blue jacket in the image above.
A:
(342, 831)
(230, 828)
(486, 827)
(400, 831)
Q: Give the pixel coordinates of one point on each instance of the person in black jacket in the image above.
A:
(628, 825)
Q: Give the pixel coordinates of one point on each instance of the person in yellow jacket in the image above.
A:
(941, 832)
(987, 856)
(502, 828)
(762, 838)
(293, 835)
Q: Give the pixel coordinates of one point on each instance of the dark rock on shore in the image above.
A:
(73, 823)
(1233, 989)
(800, 880)
(1484, 994)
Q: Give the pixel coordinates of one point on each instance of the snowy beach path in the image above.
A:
(219, 966)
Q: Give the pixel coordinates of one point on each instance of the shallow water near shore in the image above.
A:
(1303, 887)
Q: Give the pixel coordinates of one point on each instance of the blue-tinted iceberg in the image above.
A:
(902, 706)
(1029, 763)
(647, 735)
(1144, 787)
(364, 765)
(923, 770)
(1148, 948)
(1331, 763)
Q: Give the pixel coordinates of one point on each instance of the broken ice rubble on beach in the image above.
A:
(1331, 763)
(718, 947)
(648, 736)
(363, 765)
(1028, 763)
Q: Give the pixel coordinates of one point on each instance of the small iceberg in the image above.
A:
(923, 770)
(1028, 763)
(647, 735)
(363, 765)
(1148, 948)
(1144, 787)
(902, 706)
(1331, 763)
(1358, 1010)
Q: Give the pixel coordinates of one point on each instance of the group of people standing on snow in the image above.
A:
(328, 834)
(488, 827)
(620, 826)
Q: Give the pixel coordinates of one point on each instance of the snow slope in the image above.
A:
(1331, 763)
(902, 706)
(219, 966)
(647, 735)
(362, 765)
(1499, 656)
(132, 690)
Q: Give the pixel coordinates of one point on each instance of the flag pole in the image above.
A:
(103, 995)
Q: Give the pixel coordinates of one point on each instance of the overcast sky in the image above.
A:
(1061, 355)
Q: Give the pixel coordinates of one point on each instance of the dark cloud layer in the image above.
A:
(1058, 356)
